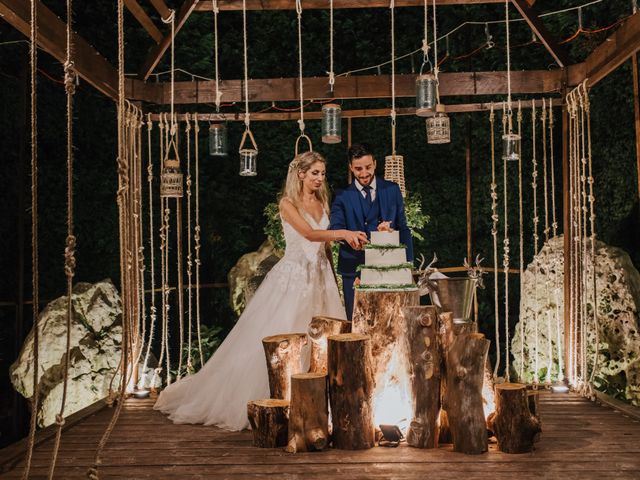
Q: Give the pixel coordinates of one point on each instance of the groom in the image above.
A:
(363, 205)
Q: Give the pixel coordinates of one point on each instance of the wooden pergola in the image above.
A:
(91, 66)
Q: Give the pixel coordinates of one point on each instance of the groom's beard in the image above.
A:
(365, 181)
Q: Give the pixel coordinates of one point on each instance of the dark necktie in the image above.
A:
(367, 194)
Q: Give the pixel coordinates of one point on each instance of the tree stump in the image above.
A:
(379, 315)
(308, 415)
(515, 427)
(269, 419)
(466, 361)
(421, 338)
(284, 358)
(319, 329)
(351, 391)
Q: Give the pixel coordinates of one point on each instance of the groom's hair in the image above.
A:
(358, 150)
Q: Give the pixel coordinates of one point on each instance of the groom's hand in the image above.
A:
(385, 226)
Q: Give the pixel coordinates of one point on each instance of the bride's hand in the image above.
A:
(355, 239)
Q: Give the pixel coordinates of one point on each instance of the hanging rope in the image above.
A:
(35, 281)
(179, 251)
(506, 115)
(189, 257)
(152, 309)
(393, 77)
(592, 219)
(534, 185)
(436, 69)
(554, 223)
(547, 280)
(216, 11)
(425, 40)
(122, 197)
(506, 13)
(521, 241)
(494, 234)
(332, 75)
(583, 241)
(300, 83)
(247, 119)
(196, 238)
(70, 244)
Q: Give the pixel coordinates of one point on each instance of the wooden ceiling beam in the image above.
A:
(231, 5)
(89, 64)
(159, 50)
(358, 113)
(143, 19)
(371, 86)
(530, 15)
(614, 51)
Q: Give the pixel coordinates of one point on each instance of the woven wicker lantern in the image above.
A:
(439, 126)
(218, 140)
(171, 179)
(394, 170)
(331, 123)
(426, 94)
(511, 147)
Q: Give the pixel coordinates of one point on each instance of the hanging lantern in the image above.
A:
(394, 171)
(331, 123)
(218, 140)
(439, 126)
(171, 179)
(511, 147)
(248, 162)
(426, 94)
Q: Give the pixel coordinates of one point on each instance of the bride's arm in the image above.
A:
(292, 216)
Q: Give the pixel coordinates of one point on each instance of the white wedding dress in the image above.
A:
(298, 287)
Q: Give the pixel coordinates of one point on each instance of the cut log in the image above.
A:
(421, 339)
(284, 358)
(515, 427)
(269, 419)
(465, 363)
(351, 391)
(379, 315)
(309, 416)
(319, 329)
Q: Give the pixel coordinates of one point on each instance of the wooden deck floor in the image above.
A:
(580, 440)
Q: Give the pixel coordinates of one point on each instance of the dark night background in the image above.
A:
(231, 206)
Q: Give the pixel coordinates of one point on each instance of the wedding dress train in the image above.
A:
(298, 287)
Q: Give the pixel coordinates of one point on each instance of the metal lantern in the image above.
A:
(331, 123)
(439, 126)
(426, 94)
(218, 140)
(248, 162)
(171, 179)
(511, 147)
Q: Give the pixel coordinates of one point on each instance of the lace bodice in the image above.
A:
(299, 248)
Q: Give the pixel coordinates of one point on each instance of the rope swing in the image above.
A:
(300, 83)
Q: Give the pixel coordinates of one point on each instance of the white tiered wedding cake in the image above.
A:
(385, 263)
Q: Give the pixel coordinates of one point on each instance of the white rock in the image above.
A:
(542, 309)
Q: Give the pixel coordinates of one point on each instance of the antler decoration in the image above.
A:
(424, 284)
(476, 271)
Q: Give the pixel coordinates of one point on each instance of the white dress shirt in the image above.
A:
(373, 189)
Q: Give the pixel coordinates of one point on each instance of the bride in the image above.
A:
(298, 287)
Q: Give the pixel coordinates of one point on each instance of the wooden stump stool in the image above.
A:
(319, 329)
(269, 419)
(284, 358)
(466, 360)
(351, 390)
(421, 339)
(515, 427)
(308, 416)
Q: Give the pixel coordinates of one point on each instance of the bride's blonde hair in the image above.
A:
(293, 185)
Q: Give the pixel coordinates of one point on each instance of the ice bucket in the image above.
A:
(454, 295)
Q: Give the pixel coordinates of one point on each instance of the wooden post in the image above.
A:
(284, 358)
(309, 415)
(351, 391)
(319, 329)
(421, 338)
(566, 206)
(513, 423)
(269, 419)
(466, 361)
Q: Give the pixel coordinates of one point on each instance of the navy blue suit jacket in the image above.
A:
(347, 213)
